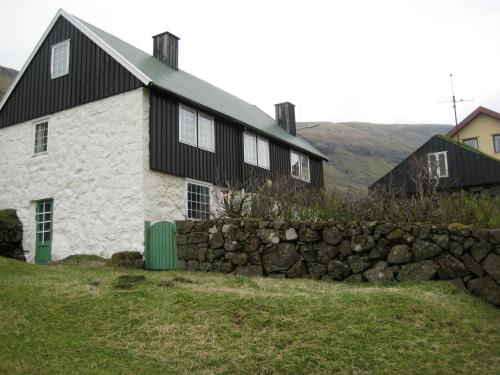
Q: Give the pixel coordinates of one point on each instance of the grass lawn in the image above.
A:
(76, 317)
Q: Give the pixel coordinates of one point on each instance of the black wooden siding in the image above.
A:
(226, 165)
(93, 74)
(466, 168)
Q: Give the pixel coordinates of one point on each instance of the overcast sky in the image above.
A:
(376, 61)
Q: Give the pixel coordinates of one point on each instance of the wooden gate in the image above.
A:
(160, 250)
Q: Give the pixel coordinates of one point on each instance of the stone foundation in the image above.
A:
(371, 251)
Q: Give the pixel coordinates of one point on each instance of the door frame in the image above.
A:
(43, 248)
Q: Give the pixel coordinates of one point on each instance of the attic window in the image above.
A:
(59, 64)
(471, 142)
(438, 164)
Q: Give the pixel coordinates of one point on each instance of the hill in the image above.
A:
(360, 152)
(7, 75)
(78, 317)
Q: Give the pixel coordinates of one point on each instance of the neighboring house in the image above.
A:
(98, 137)
(446, 164)
(480, 130)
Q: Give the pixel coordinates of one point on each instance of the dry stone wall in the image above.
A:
(370, 251)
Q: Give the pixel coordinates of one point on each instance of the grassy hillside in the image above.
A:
(360, 153)
(77, 317)
(6, 77)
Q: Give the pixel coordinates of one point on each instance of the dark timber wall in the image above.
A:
(169, 155)
(93, 75)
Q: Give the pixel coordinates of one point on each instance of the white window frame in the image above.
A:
(35, 124)
(197, 115)
(300, 156)
(200, 183)
(255, 141)
(472, 139)
(494, 146)
(53, 48)
(438, 170)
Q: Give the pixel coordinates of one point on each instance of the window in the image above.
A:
(44, 221)
(41, 137)
(496, 142)
(471, 142)
(438, 164)
(59, 65)
(198, 201)
(256, 150)
(300, 166)
(196, 129)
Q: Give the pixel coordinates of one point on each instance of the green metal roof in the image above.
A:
(199, 91)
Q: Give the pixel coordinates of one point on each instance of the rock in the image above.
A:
(299, 269)
(201, 225)
(442, 240)
(249, 271)
(213, 230)
(216, 241)
(491, 265)
(345, 248)
(224, 267)
(382, 249)
(379, 272)
(325, 252)
(263, 224)
(459, 229)
(332, 235)
(192, 265)
(368, 227)
(400, 236)
(425, 249)
(205, 266)
(269, 236)
(129, 259)
(468, 243)
(400, 254)
(181, 239)
(494, 236)
(338, 270)
(353, 229)
(240, 259)
(458, 282)
(317, 270)
(226, 228)
(480, 234)
(241, 235)
(356, 278)
(358, 263)
(421, 271)
(291, 234)
(480, 250)
(472, 265)
(232, 245)
(383, 229)
(251, 244)
(486, 288)
(308, 235)
(197, 237)
(308, 252)
(456, 248)
(361, 243)
(280, 257)
(184, 226)
(192, 252)
(450, 267)
(422, 231)
(213, 254)
(255, 258)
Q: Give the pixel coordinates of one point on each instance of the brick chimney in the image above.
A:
(285, 117)
(166, 49)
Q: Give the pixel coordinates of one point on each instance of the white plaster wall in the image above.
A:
(164, 194)
(93, 170)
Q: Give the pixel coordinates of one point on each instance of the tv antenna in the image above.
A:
(455, 101)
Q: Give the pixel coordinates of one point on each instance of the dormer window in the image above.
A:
(438, 164)
(471, 142)
(59, 64)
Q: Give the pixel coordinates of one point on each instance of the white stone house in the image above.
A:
(97, 137)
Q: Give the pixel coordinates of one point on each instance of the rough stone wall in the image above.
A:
(93, 170)
(11, 235)
(373, 252)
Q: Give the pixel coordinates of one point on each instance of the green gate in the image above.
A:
(160, 250)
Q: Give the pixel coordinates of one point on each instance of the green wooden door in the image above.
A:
(160, 250)
(44, 217)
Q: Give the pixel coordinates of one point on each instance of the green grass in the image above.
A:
(69, 318)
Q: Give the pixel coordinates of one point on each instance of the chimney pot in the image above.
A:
(166, 49)
(285, 117)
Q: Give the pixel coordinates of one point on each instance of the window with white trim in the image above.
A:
(256, 150)
(471, 142)
(438, 164)
(196, 129)
(59, 64)
(496, 143)
(41, 137)
(198, 201)
(300, 168)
